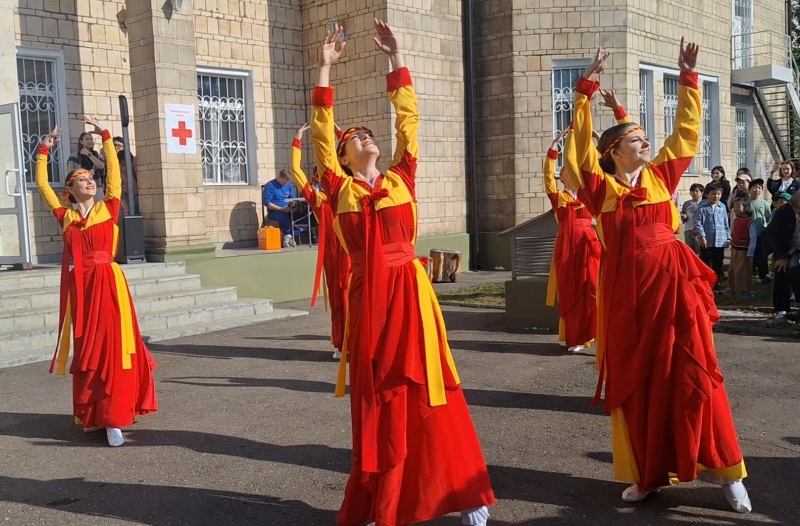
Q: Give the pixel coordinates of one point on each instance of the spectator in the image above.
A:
(119, 145)
(743, 247)
(778, 200)
(85, 157)
(276, 198)
(713, 231)
(782, 180)
(718, 176)
(784, 235)
(761, 215)
(688, 213)
(742, 185)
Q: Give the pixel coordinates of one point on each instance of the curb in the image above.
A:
(755, 331)
(472, 305)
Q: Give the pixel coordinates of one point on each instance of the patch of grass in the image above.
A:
(763, 298)
(489, 294)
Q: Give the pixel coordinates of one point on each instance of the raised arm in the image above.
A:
(323, 134)
(611, 101)
(549, 171)
(310, 194)
(48, 195)
(679, 150)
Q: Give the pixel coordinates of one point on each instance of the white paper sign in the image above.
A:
(181, 135)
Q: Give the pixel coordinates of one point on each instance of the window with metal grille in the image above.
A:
(705, 138)
(564, 81)
(741, 138)
(644, 106)
(223, 128)
(40, 108)
(670, 103)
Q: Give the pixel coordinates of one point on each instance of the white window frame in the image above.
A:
(646, 102)
(251, 146)
(62, 115)
(564, 98)
(712, 84)
(749, 137)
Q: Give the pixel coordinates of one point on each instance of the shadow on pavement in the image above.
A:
(532, 349)
(307, 386)
(292, 337)
(159, 505)
(58, 429)
(544, 402)
(282, 354)
(479, 320)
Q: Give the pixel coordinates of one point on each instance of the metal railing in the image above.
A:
(761, 48)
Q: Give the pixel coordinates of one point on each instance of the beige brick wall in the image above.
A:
(95, 51)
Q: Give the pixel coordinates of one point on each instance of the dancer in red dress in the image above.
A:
(330, 255)
(664, 390)
(111, 368)
(576, 260)
(416, 455)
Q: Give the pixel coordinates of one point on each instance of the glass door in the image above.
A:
(14, 236)
(742, 31)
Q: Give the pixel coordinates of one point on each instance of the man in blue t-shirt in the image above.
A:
(276, 195)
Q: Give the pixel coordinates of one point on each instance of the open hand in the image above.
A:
(609, 99)
(304, 128)
(385, 40)
(332, 48)
(703, 242)
(51, 138)
(91, 121)
(687, 60)
(597, 66)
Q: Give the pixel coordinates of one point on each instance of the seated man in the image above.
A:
(276, 195)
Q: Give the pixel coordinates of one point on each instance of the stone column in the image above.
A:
(164, 71)
(9, 91)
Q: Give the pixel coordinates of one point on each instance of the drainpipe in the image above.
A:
(471, 128)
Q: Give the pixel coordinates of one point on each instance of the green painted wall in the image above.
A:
(289, 276)
(494, 251)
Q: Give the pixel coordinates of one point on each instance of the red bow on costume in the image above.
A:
(373, 317)
(621, 247)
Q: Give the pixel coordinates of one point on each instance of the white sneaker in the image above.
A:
(337, 355)
(632, 494)
(91, 429)
(576, 349)
(780, 315)
(114, 436)
(734, 490)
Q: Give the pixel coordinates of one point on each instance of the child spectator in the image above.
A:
(778, 200)
(761, 215)
(688, 214)
(713, 231)
(743, 180)
(743, 247)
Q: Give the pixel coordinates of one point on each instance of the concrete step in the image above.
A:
(48, 316)
(13, 280)
(48, 297)
(9, 358)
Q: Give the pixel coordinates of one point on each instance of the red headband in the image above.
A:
(619, 139)
(346, 137)
(77, 173)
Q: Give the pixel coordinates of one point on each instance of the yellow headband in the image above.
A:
(619, 139)
(346, 137)
(77, 173)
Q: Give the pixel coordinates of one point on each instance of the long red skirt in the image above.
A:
(576, 278)
(103, 393)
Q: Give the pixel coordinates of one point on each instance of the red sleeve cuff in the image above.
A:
(620, 113)
(552, 154)
(106, 135)
(43, 149)
(397, 79)
(690, 80)
(323, 97)
(587, 87)
(339, 134)
(296, 143)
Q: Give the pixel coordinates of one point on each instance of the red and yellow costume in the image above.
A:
(664, 391)
(111, 367)
(416, 455)
(576, 260)
(331, 257)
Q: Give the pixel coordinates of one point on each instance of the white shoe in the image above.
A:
(475, 516)
(632, 494)
(780, 315)
(576, 349)
(114, 436)
(91, 429)
(734, 490)
(337, 355)
(287, 240)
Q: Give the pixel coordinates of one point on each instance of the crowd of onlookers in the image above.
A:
(762, 236)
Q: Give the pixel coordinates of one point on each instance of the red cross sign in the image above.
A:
(182, 133)
(180, 129)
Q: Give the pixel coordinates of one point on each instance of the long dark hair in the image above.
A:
(721, 170)
(80, 141)
(607, 139)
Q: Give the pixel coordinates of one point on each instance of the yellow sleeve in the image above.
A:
(679, 149)
(323, 133)
(549, 171)
(113, 177)
(47, 193)
(311, 195)
(404, 100)
(581, 157)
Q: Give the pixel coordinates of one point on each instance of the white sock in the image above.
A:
(475, 516)
(736, 489)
